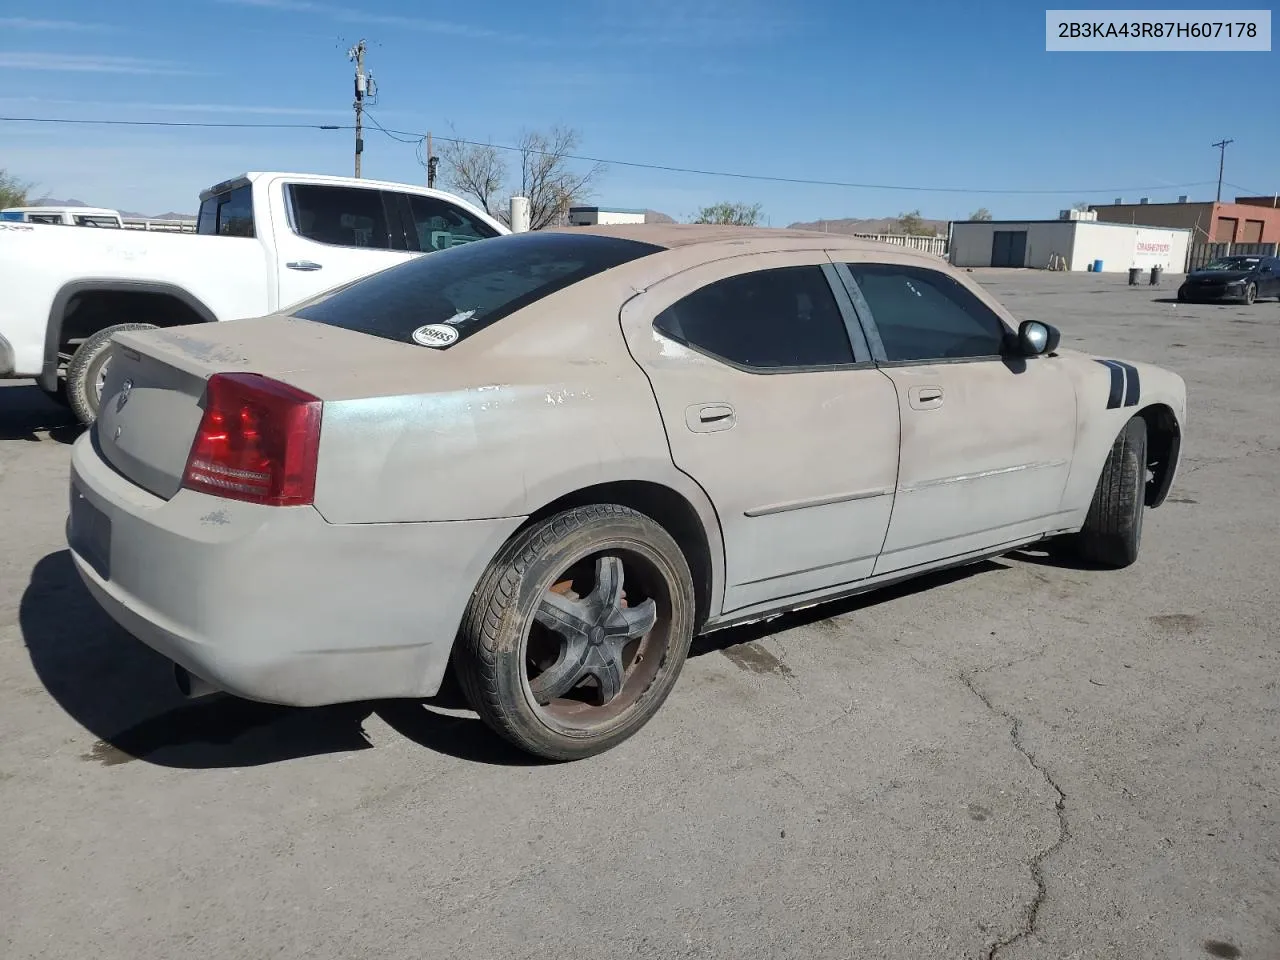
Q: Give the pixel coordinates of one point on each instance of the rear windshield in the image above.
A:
(459, 291)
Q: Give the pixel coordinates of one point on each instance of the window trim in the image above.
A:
(867, 318)
(391, 213)
(863, 358)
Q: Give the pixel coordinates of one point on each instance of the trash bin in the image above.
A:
(1089, 266)
(1134, 274)
(1097, 266)
(1155, 274)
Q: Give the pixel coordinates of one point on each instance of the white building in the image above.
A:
(590, 216)
(1074, 238)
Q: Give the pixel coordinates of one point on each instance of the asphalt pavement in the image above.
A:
(1019, 758)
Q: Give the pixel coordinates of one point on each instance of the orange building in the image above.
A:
(1247, 220)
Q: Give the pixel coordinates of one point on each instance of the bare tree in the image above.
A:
(546, 176)
(734, 214)
(547, 179)
(982, 213)
(477, 170)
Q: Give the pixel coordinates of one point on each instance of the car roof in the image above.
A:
(689, 236)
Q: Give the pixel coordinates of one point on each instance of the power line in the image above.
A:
(665, 168)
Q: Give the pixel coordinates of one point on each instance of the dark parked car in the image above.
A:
(1241, 278)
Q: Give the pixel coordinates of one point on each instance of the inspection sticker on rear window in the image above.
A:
(435, 335)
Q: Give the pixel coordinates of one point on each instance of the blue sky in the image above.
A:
(945, 94)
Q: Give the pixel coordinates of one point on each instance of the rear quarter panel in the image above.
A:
(537, 406)
(41, 266)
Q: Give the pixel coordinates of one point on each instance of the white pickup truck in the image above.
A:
(264, 241)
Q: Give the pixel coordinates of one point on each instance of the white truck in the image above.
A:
(263, 242)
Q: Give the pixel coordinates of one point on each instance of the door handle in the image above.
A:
(925, 398)
(709, 417)
(305, 265)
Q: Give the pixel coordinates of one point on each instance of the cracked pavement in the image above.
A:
(1014, 760)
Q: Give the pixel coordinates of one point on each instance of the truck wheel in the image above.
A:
(1112, 532)
(88, 369)
(577, 632)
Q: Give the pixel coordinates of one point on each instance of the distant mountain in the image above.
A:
(853, 225)
(50, 202)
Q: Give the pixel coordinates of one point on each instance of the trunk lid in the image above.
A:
(151, 398)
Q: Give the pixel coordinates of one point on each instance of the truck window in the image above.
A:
(441, 225)
(228, 214)
(93, 221)
(340, 216)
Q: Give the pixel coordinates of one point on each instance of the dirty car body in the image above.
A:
(575, 442)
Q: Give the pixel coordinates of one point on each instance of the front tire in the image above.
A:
(577, 632)
(1250, 294)
(1112, 533)
(87, 370)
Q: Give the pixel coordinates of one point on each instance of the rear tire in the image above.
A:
(1112, 532)
(88, 367)
(503, 651)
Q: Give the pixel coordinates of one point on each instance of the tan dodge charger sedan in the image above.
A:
(549, 460)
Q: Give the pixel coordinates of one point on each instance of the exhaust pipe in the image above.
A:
(191, 686)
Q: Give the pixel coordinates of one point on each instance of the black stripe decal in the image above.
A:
(1117, 383)
(1132, 389)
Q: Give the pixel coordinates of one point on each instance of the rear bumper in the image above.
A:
(275, 604)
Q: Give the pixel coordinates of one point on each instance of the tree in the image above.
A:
(13, 193)
(546, 175)
(982, 213)
(913, 225)
(731, 214)
(1082, 205)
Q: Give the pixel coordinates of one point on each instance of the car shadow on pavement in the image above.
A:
(25, 413)
(123, 693)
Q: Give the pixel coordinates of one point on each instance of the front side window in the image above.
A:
(440, 225)
(228, 214)
(781, 317)
(340, 216)
(469, 286)
(924, 314)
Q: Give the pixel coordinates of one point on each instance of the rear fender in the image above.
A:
(57, 313)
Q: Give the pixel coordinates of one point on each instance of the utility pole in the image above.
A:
(1222, 159)
(365, 89)
(432, 160)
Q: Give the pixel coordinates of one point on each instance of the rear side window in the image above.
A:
(783, 317)
(924, 315)
(228, 214)
(340, 216)
(466, 288)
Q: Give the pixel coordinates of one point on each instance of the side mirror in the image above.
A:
(1036, 338)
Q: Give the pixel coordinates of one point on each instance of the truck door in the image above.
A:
(333, 234)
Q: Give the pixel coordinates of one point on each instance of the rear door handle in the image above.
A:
(306, 265)
(925, 398)
(709, 417)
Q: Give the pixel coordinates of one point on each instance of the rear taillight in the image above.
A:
(259, 441)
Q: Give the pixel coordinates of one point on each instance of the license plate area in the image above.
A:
(90, 533)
